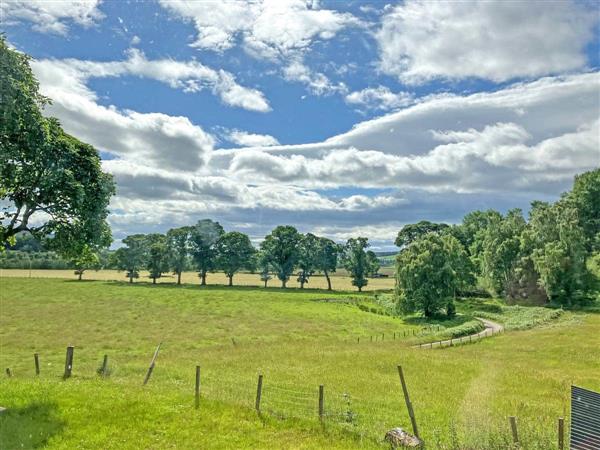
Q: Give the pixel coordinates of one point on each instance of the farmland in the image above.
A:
(298, 340)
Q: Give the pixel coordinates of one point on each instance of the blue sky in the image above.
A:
(342, 118)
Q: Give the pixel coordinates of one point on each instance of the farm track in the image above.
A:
(491, 328)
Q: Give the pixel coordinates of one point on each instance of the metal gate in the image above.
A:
(585, 419)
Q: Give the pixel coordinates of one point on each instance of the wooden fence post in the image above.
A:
(197, 390)
(69, 362)
(36, 360)
(321, 401)
(411, 413)
(104, 369)
(151, 367)
(513, 429)
(561, 433)
(258, 393)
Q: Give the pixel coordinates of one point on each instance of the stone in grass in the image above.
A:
(397, 437)
(2, 410)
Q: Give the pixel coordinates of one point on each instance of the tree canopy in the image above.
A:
(234, 252)
(51, 184)
(355, 261)
(203, 240)
(280, 250)
(409, 233)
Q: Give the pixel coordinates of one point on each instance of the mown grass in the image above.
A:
(298, 340)
(340, 279)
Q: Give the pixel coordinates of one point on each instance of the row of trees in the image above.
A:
(542, 259)
(206, 247)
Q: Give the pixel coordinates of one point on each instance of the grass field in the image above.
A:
(297, 340)
(340, 280)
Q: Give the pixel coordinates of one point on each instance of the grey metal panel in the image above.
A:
(585, 419)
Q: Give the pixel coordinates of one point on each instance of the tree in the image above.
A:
(326, 258)
(262, 262)
(308, 250)
(585, 198)
(234, 252)
(428, 274)
(373, 264)
(178, 248)
(157, 261)
(470, 231)
(355, 261)
(87, 259)
(280, 250)
(51, 184)
(409, 233)
(501, 250)
(203, 239)
(132, 257)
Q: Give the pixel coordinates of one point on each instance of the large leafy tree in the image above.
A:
(157, 261)
(429, 273)
(51, 184)
(308, 253)
(280, 250)
(86, 259)
(178, 243)
(203, 240)
(585, 198)
(234, 253)
(263, 265)
(501, 250)
(326, 258)
(131, 258)
(411, 232)
(355, 261)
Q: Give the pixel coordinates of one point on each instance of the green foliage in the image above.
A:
(373, 264)
(178, 243)
(133, 257)
(51, 184)
(308, 256)
(87, 259)
(157, 261)
(203, 241)
(326, 258)
(234, 252)
(280, 250)
(585, 198)
(355, 261)
(410, 233)
(429, 273)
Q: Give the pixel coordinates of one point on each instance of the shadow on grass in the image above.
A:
(439, 319)
(30, 426)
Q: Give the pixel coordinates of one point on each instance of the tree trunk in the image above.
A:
(179, 277)
(283, 284)
(230, 280)
(203, 279)
(80, 275)
(328, 280)
(153, 280)
(131, 279)
(360, 289)
(302, 282)
(266, 281)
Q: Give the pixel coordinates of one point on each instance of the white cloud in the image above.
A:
(189, 76)
(317, 83)
(51, 16)
(267, 28)
(245, 139)
(422, 40)
(379, 98)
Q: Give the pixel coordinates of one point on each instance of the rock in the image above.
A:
(397, 437)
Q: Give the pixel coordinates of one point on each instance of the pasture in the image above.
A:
(298, 341)
(340, 281)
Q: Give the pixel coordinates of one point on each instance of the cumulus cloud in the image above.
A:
(317, 83)
(379, 98)
(423, 40)
(245, 139)
(266, 28)
(189, 76)
(51, 16)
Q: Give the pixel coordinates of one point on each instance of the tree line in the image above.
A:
(542, 259)
(207, 247)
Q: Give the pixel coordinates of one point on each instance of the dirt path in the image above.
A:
(491, 328)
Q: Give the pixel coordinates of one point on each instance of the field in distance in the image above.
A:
(298, 341)
(340, 281)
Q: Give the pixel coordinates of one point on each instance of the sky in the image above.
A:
(342, 118)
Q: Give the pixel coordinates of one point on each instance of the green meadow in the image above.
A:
(297, 340)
